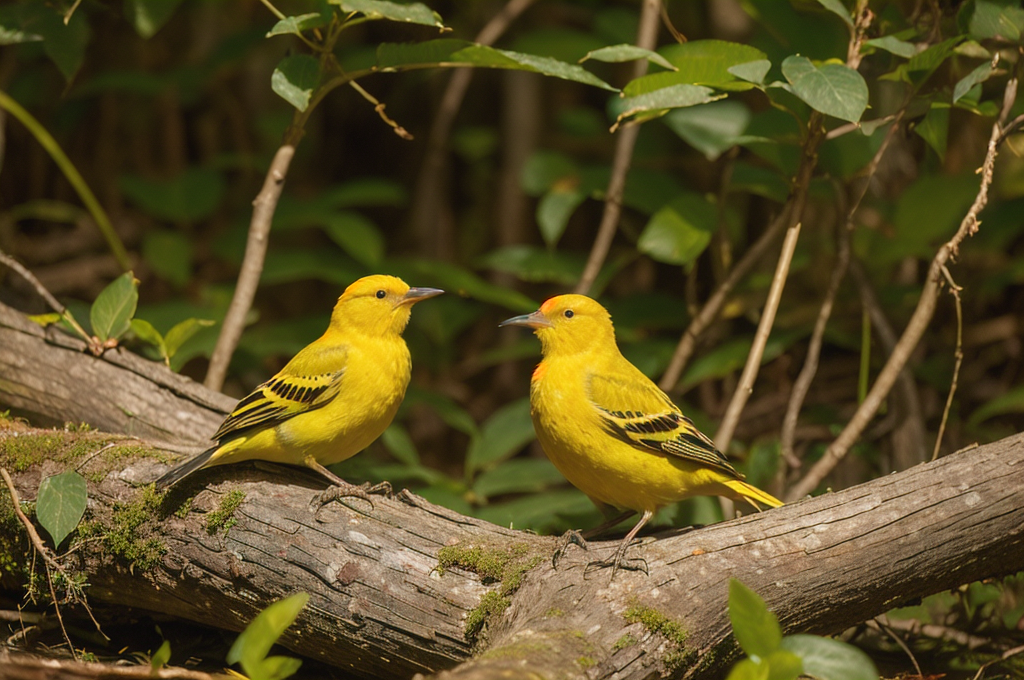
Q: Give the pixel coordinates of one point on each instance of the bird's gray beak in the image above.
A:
(534, 320)
(414, 295)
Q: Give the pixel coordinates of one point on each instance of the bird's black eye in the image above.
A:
(381, 295)
(569, 314)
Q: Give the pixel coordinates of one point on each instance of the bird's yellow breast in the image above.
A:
(376, 375)
(610, 471)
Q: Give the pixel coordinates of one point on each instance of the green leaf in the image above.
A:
(554, 211)
(508, 430)
(161, 656)
(45, 320)
(833, 89)
(536, 264)
(752, 71)
(747, 669)
(1008, 402)
(63, 43)
(934, 128)
(754, 627)
(400, 445)
(145, 331)
(458, 281)
(712, 128)
(699, 62)
(169, 254)
(295, 79)
(148, 16)
(997, 19)
(784, 665)
(839, 9)
(544, 169)
(181, 332)
(276, 668)
(671, 97)
(619, 53)
(519, 475)
(538, 512)
(253, 644)
(828, 659)
(679, 232)
(297, 24)
(112, 312)
(894, 45)
(60, 504)
(449, 53)
(411, 13)
(978, 75)
(357, 235)
(191, 196)
(928, 212)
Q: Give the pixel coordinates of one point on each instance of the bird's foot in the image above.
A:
(620, 561)
(570, 537)
(346, 490)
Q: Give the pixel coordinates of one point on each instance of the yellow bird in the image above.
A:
(333, 398)
(610, 430)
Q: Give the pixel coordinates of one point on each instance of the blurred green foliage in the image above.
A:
(170, 112)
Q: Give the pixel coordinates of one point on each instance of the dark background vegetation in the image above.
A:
(174, 134)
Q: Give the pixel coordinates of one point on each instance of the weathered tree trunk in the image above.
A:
(380, 607)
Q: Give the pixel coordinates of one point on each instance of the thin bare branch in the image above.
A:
(810, 367)
(918, 321)
(958, 354)
(252, 266)
(379, 107)
(647, 35)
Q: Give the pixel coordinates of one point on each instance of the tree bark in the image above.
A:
(380, 607)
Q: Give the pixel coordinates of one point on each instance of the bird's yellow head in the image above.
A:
(568, 324)
(377, 305)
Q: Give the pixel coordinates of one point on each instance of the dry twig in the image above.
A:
(918, 321)
(958, 354)
(647, 35)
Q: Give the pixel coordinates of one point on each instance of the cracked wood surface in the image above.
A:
(379, 608)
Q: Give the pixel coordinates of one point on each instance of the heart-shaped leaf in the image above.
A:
(61, 504)
(112, 312)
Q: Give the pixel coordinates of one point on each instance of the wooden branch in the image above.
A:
(46, 376)
(380, 607)
(27, 667)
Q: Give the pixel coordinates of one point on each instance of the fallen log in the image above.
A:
(405, 586)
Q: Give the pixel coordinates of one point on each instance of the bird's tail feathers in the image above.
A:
(752, 494)
(176, 474)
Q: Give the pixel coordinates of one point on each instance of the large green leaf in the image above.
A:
(191, 196)
(755, 628)
(699, 62)
(679, 232)
(400, 445)
(111, 314)
(894, 45)
(658, 101)
(295, 79)
(934, 128)
(554, 210)
(535, 264)
(711, 128)
(451, 52)
(997, 19)
(626, 52)
(833, 89)
(978, 75)
(519, 475)
(148, 16)
(828, 659)
(507, 431)
(60, 504)
(253, 644)
(63, 43)
(357, 235)
(411, 12)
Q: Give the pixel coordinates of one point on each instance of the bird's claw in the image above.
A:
(620, 561)
(570, 537)
(339, 491)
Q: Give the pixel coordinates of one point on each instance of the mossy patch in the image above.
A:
(553, 613)
(224, 516)
(626, 640)
(125, 537)
(504, 565)
(657, 623)
(97, 453)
